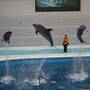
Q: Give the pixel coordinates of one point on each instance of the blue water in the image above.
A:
(25, 71)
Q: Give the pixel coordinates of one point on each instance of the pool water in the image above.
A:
(46, 74)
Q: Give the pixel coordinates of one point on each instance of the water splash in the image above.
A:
(7, 79)
(7, 64)
(78, 72)
(77, 77)
(36, 82)
(28, 75)
(24, 84)
(39, 72)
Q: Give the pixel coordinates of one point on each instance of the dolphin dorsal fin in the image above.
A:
(49, 29)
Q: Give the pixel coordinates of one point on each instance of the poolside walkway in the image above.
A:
(12, 53)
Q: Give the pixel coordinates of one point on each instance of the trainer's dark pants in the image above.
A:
(65, 48)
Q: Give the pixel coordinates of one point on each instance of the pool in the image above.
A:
(56, 71)
(20, 69)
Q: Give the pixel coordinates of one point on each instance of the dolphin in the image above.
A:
(44, 32)
(80, 31)
(6, 36)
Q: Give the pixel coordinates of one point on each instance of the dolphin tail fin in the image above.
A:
(52, 44)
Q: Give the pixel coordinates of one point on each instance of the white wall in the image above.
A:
(23, 33)
(19, 15)
(13, 8)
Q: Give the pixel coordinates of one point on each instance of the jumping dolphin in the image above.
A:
(80, 33)
(44, 32)
(6, 36)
